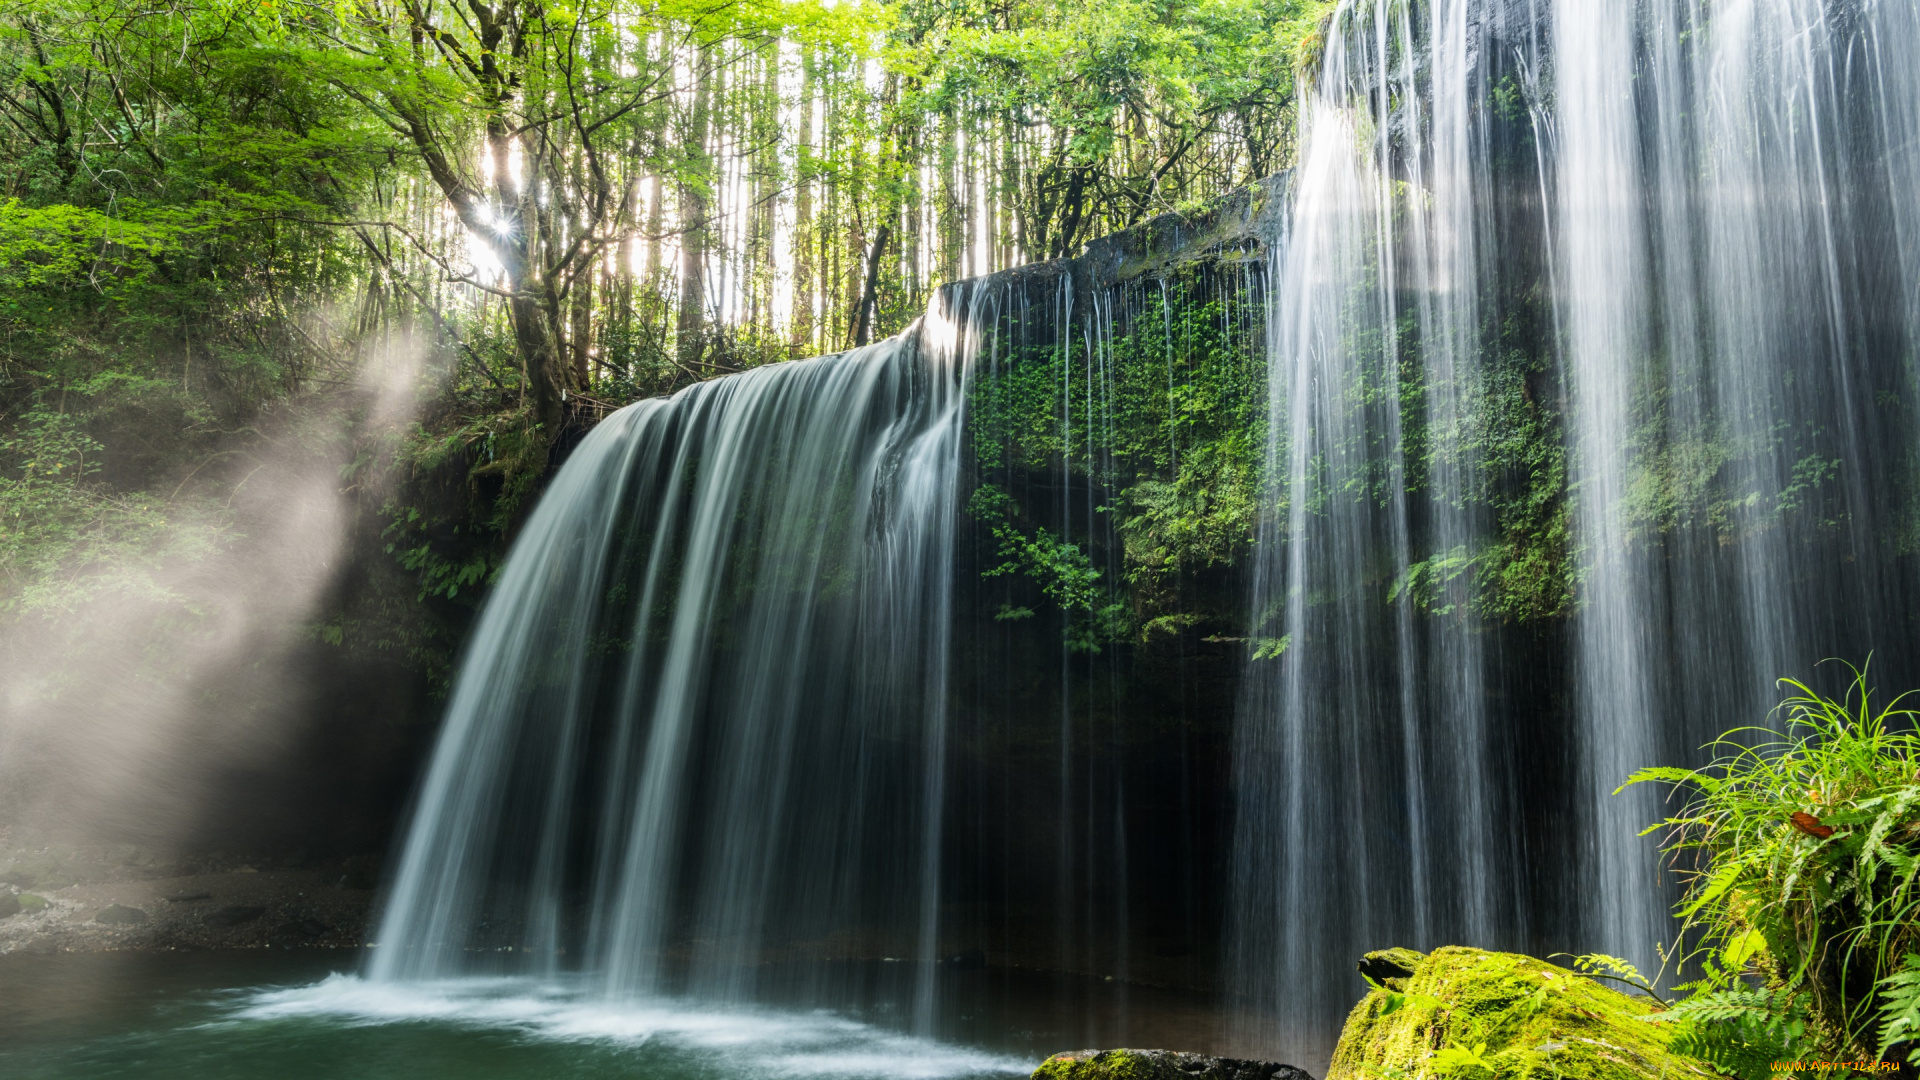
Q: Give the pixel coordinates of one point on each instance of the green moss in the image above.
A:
(1143, 1065)
(30, 903)
(1479, 1015)
(1090, 1065)
(1391, 967)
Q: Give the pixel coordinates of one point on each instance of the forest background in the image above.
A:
(301, 302)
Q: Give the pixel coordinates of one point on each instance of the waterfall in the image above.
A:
(1590, 406)
(698, 736)
(1592, 368)
(1601, 262)
(1362, 767)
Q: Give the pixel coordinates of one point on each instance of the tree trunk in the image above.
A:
(803, 271)
(695, 194)
(863, 316)
(580, 328)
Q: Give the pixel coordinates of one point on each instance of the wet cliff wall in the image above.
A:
(1114, 461)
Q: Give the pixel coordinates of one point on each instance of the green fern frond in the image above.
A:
(1900, 1009)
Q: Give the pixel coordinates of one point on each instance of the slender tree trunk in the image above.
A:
(766, 190)
(620, 314)
(863, 315)
(1006, 191)
(580, 328)
(834, 295)
(910, 214)
(950, 212)
(695, 196)
(656, 224)
(803, 227)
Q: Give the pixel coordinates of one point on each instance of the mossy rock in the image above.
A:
(1391, 967)
(1159, 1065)
(1467, 1014)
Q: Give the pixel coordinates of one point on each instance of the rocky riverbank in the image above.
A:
(86, 900)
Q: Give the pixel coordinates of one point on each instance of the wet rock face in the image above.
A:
(1159, 1065)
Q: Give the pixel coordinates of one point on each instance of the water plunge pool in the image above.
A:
(307, 1016)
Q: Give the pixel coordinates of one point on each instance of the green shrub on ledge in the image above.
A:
(1802, 856)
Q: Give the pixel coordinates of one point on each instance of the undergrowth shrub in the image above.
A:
(1801, 855)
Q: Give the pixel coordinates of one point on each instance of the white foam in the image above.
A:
(759, 1041)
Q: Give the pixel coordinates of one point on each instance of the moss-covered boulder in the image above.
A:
(1391, 967)
(1159, 1065)
(1466, 1014)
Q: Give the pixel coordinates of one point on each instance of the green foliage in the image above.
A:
(1802, 858)
(64, 534)
(1696, 473)
(1740, 1031)
(1457, 1060)
(1061, 570)
(1900, 1009)
(439, 575)
(1613, 968)
(1509, 451)
(1171, 435)
(1121, 111)
(498, 460)
(1265, 648)
(1529, 572)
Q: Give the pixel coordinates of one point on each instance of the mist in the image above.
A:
(183, 699)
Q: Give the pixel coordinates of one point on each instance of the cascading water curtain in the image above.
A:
(1738, 272)
(1601, 264)
(1593, 397)
(1362, 767)
(699, 738)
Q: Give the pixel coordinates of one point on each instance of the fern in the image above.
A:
(1735, 1003)
(1739, 1030)
(1800, 848)
(1900, 1009)
(1745, 1048)
(1614, 969)
(1601, 963)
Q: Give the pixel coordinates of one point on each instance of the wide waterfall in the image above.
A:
(700, 727)
(1581, 341)
(1681, 240)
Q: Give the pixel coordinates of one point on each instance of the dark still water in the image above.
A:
(211, 1016)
